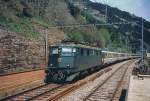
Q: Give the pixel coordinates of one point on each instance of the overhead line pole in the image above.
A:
(142, 43)
(106, 12)
(46, 48)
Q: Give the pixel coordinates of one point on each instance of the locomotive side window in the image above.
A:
(88, 52)
(78, 50)
(97, 53)
(82, 51)
(100, 52)
(91, 52)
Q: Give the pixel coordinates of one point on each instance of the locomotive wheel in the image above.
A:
(59, 76)
(55, 77)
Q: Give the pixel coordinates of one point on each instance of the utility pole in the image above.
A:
(142, 44)
(127, 44)
(106, 12)
(46, 46)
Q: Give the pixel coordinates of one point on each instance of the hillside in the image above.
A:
(131, 32)
(116, 15)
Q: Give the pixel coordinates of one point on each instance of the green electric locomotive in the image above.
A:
(68, 60)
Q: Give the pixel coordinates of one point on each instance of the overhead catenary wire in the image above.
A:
(92, 24)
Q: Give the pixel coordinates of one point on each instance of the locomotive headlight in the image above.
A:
(68, 65)
(51, 65)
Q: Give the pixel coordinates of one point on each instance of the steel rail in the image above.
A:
(107, 79)
(76, 86)
(119, 84)
(35, 92)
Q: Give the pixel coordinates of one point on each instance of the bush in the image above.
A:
(89, 17)
(77, 36)
(22, 25)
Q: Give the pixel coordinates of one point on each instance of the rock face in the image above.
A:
(18, 53)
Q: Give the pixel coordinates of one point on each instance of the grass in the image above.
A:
(41, 21)
(21, 25)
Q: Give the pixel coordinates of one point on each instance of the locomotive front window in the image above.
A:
(54, 51)
(66, 51)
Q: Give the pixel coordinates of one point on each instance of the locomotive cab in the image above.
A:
(61, 57)
(60, 63)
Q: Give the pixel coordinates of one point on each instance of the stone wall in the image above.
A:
(18, 53)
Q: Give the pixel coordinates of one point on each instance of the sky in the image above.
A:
(139, 8)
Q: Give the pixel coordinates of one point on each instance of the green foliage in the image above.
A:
(77, 36)
(21, 25)
(41, 21)
(106, 36)
(99, 38)
(89, 17)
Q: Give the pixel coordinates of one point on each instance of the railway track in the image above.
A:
(33, 93)
(54, 92)
(107, 91)
(51, 92)
(25, 71)
(15, 83)
(71, 88)
(108, 84)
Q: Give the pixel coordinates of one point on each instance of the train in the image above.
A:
(69, 60)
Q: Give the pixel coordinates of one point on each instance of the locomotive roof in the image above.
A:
(113, 52)
(76, 45)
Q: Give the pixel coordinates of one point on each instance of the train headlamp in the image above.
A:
(51, 65)
(68, 65)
